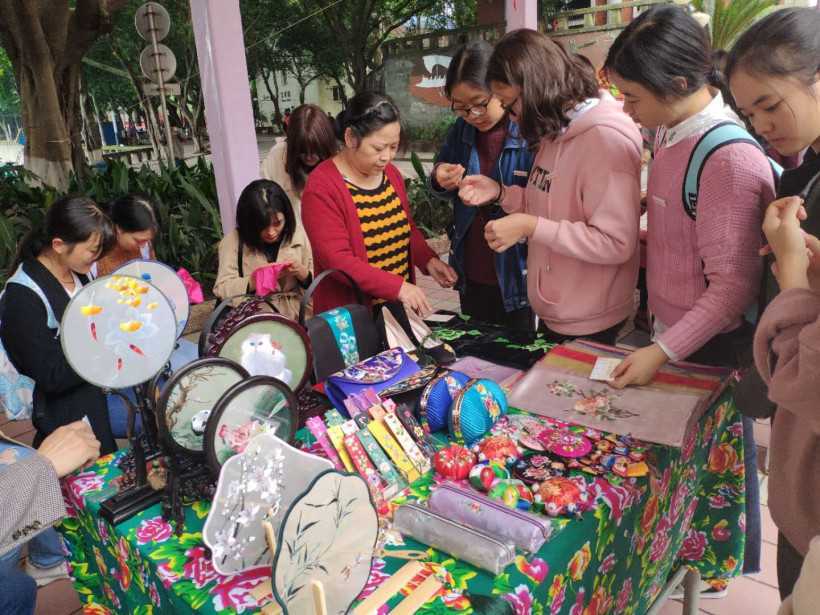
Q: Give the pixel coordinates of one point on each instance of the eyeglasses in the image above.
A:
(476, 110)
(509, 108)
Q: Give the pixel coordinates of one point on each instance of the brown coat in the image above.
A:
(787, 354)
(229, 283)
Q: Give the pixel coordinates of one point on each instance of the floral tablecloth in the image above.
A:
(615, 559)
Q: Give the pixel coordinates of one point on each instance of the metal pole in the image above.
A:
(161, 82)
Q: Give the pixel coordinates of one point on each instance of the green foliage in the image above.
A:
(190, 225)
(731, 19)
(9, 97)
(433, 132)
(431, 214)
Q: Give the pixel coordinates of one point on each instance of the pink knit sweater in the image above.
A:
(720, 247)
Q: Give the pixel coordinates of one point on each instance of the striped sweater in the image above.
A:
(385, 227)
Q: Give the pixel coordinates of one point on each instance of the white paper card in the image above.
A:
(603, 369)
(439, 317)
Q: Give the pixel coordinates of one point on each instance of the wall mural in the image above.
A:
(427, 79)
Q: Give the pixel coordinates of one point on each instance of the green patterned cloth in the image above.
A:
(615, 559)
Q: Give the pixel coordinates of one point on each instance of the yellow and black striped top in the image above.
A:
(385, 227)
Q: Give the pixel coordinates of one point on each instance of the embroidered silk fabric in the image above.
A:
(385, 227)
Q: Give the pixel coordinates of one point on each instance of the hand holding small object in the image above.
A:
(449, 176)
(640, 367)
(298, 269)
(787, 242)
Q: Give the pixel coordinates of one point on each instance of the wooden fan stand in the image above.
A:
(142, 495)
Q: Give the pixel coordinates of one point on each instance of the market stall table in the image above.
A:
(615, 559)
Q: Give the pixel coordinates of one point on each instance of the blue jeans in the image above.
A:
(18, 591)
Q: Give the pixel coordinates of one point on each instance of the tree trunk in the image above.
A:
(277, 112)
(45, 42)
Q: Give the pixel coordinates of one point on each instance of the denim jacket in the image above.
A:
(512, 168)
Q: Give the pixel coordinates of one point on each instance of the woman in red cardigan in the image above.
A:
(357, 217)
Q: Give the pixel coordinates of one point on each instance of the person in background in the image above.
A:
(37, 503)
(135, 223)
(773, 74)
(310, 139)
(286, 120)
(580, 208)
(357, 216)
(267, 231)
(53, 262)
(492, 287)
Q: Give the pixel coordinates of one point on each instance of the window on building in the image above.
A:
(337, 93)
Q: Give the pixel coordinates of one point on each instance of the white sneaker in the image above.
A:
(44, 576)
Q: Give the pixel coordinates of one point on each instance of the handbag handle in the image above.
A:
(316, 281)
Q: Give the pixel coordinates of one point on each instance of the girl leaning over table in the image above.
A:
(774, 75)
(703, 268)
(136, 227)
(484, 139)
(580, 209)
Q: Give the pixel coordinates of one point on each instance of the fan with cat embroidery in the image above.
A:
(270, 345)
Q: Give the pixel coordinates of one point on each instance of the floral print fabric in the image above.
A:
(615, 559)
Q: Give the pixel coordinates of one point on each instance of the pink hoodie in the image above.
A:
(584, 186)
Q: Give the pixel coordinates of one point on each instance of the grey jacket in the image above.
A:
(30, 499)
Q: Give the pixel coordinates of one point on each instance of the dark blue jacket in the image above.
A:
(511, 265)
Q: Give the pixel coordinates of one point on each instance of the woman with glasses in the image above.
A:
(492, 287)
(357, 216)
(580, 208)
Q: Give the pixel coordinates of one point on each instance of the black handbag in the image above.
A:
(340, 337)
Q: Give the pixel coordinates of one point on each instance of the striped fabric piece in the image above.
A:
(385, 227)
(578, 357)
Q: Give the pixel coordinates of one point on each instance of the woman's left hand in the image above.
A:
(298, 269)
(442, 272)
(509, 230)
(640, 367)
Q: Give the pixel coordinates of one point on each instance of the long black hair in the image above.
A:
(133, 213)
(552, 81)
(73, 219)
(259, 202)
(785, 43)
(469, 65)
(661, 46)
(366, 113)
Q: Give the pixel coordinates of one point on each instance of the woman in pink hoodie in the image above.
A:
(580, 209)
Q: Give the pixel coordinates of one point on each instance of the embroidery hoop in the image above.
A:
(167, 281)
(278, 327)
(227, 403)
(95, 361)
(176, 379)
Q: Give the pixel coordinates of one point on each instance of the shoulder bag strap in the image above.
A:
(316, 281)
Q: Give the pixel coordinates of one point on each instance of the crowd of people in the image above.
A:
(543, 169)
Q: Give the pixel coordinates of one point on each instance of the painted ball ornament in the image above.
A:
(484, 475)
(562, 496)
(513, 493)
(454, 462)
(497, 448)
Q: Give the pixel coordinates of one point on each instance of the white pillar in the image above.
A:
(521, 14)
(220, 49)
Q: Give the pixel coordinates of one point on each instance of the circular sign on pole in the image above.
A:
(148, 12)
(162, 60)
